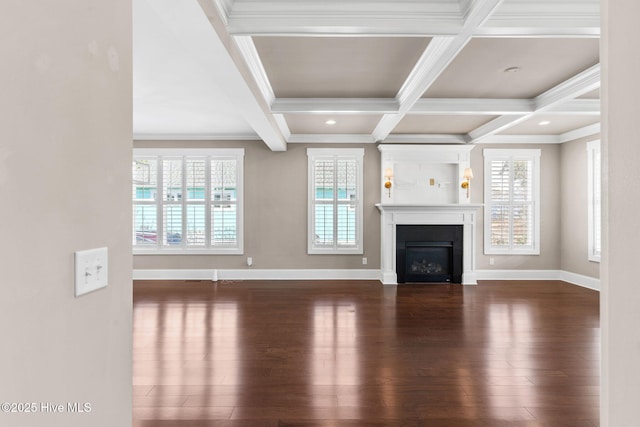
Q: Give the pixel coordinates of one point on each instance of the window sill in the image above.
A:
(189, 252)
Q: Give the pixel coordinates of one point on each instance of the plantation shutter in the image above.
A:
(185, 202)
(510, 205)
(335, 205)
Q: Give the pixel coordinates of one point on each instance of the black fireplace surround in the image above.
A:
(429, 253)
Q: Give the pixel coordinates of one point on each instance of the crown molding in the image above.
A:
(521, 139)
(194, 137)
(425, 139)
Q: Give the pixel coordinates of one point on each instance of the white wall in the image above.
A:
(65, 159)
(620, 297)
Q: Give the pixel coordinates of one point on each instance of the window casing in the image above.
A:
(594, 167)
(512, 201)
(188, 201)
(335, 201)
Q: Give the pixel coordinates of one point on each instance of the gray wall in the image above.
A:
(65, 160)
(620, 297)
(573, 210)
(276, 200)
(275, 225)
(549, 258)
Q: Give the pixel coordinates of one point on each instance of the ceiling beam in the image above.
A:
(574, 87)
(429, 106)
(322, 17)
(584, 132)
(533, 18)
(238, 81)
(544, 18)
(425, 139)
(334, 105)
(331, 139)
(436, 57)
(472, 106)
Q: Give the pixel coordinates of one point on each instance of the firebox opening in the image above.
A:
(429, 253)
(428, 262)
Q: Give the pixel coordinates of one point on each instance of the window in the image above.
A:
(594, 166)
(335, 205)
(512, 194)
(187, 201)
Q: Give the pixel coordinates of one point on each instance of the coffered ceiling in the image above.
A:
(367, 71)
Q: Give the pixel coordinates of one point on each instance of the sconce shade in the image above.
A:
(468, 173)
(388, 173)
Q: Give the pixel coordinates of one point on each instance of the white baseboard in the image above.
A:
(566, 276)
(254, 274)
(518, 274)
(580, 280)
(370, 274)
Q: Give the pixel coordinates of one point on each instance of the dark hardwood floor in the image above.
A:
(356, 353)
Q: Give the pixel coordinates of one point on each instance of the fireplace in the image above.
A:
(395, 217)
(429, 253)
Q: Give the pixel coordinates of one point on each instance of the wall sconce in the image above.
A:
(388, 174)
(468, 176)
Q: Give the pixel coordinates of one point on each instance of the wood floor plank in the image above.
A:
(356, 353)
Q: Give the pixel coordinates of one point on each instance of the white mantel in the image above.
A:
(446, 214)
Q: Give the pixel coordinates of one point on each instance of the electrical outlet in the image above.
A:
(364, 260)
(492, 261)
(92, 270)
(249, 261)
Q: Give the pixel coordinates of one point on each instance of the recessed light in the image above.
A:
(512, 70)
(330, 122)
(544, 122)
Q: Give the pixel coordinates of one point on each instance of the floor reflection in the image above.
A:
(335, 354)
(358, 353)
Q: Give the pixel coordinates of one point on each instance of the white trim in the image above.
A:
(574, 87)
(521, 139)
(425, 139)
(533, 155)
(335, 154)
(580, 280)
(593, 147)
(344, 274)
(262, 274)
(583, 132)
(488, 106)
(252, 58)
(137, 136)
(183, 154)
(518, 274)
(452, 214)
(187, 152)
(334, 105)
(566, 276)
(328, 138)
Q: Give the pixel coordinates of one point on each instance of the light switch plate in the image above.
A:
(92, 270)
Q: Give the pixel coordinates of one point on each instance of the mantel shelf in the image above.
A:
(418, 207)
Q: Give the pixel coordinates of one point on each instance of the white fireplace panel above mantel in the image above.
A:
(424, 174)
